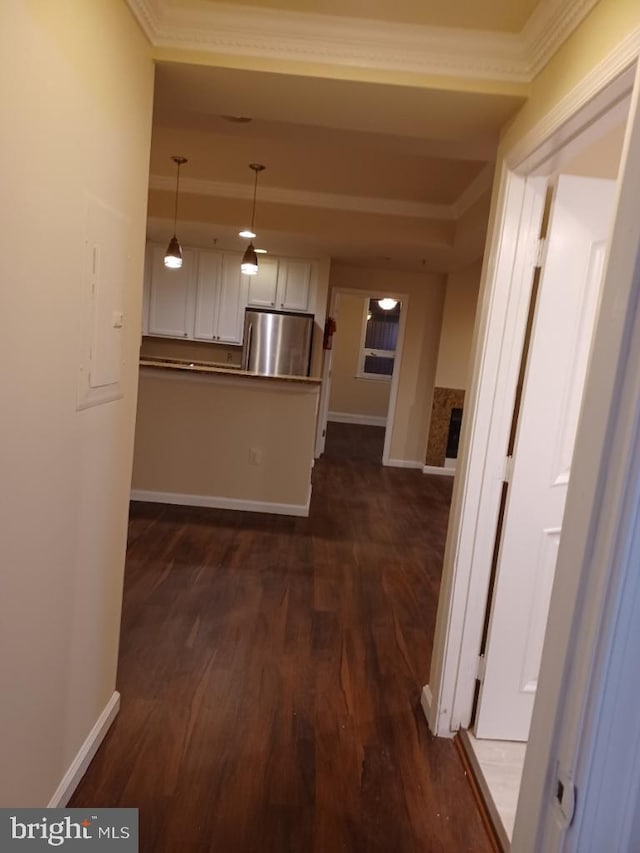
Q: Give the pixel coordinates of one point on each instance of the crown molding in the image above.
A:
(549, 25)
(223, 28)
(299, 198)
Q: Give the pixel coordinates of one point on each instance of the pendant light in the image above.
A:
(249, 264)
(173, 255)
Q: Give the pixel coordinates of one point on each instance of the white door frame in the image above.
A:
(507, 276)
(395, 377)
(596, 526)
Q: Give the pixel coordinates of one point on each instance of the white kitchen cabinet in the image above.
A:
(282, 284)
(232, 300)
(221, 296)
(294, 281)
(262, 287)
(171, 295)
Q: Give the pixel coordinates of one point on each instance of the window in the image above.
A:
(379, 340)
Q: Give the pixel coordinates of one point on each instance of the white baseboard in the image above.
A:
(366, 420)
(221, 502)
(85, 754)
(403, 463)
(435, 469)
(429, 710)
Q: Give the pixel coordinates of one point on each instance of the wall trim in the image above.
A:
(429, 708)
(549, 25)
(403, 463)
(219, 502)
(85, 754)
(302, 198)
(363, 42)
(525, 155)
(366, 420)
(436, 469)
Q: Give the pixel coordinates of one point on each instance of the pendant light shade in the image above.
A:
(173, 255)
(249, 264)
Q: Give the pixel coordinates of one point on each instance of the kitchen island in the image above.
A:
(223, 437)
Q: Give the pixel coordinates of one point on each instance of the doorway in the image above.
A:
(458, 696)
(360, 375)
(576, 225)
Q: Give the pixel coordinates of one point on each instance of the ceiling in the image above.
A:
(362, 165)
(501, 15)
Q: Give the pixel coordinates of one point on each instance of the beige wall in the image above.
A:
(194, 435)
(458, 320)
(76, 88)
(425, 293)
(350, 394)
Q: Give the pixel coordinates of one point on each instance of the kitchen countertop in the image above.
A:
(205, 367)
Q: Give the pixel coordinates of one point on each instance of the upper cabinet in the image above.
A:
(171, 295)
(294, 281)
(262, 287)
(205, 299)
(281, 284)
(221, 295)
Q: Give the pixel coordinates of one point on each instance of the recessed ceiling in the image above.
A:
(354, 170)
(499, 15)
(195, 92)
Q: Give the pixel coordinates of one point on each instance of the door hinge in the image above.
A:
(481, 668)
(508, 469)
(538, 247)
(565, 798)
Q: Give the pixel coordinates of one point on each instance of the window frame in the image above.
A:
(364, 351)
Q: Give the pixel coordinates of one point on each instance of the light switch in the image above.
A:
(118, 319)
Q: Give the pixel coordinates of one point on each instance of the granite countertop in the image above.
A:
(226, 370)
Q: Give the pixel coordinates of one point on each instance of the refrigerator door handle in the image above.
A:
(247, 349)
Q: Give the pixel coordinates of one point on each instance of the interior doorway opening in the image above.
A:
(361, 374)
(454, 698)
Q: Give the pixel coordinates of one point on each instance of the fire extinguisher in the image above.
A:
(329, 331)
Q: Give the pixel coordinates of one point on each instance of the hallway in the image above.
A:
(271, 669)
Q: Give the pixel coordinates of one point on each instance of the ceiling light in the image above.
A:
(387, 304)
(249, 265)
(249, 233)
(173, 255)
(261, 251)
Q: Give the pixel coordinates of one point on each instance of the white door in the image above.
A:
(556, 367)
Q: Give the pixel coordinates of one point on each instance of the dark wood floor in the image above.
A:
(271, 669)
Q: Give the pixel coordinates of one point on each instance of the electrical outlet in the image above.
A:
(229, 357)
(255, 456)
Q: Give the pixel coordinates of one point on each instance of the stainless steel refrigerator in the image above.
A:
(277, 343)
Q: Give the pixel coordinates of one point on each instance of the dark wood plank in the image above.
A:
(271, 669)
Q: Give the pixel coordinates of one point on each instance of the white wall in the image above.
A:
(76, 87)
